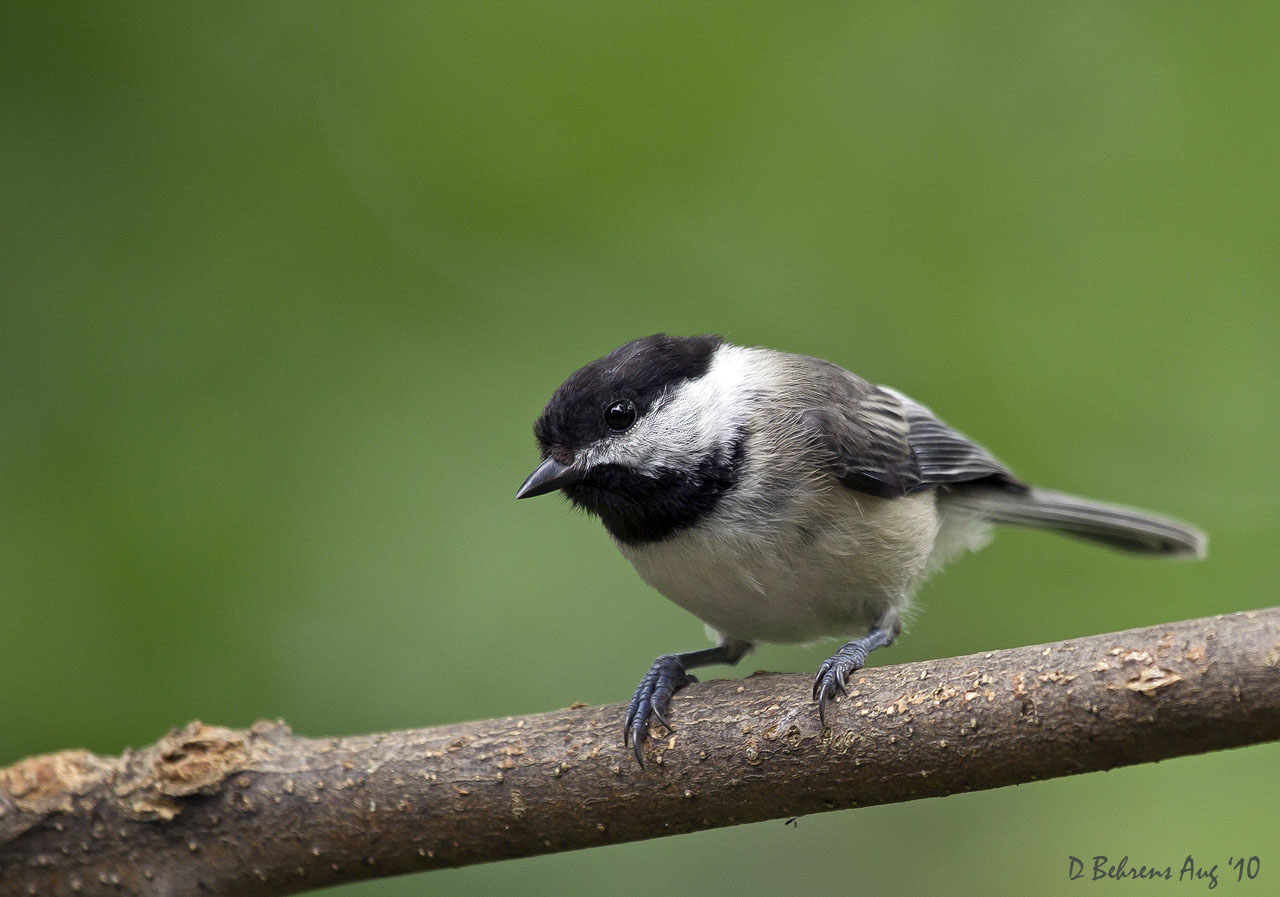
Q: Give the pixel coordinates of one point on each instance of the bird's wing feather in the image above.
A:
(883, 443)
(946, 455)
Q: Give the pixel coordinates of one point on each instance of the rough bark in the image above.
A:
(214, 811)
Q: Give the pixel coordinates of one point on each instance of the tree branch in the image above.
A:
(263, 811)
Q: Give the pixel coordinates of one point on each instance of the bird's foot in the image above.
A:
(833, 675)
(666, 677)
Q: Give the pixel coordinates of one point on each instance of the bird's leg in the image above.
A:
(667, 676)
(834, 673)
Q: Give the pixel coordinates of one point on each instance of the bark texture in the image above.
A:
(262, 811)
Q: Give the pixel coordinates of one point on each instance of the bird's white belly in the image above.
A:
(834, 568)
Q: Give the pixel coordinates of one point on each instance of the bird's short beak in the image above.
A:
(549, 476)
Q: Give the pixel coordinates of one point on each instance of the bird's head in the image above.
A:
(640, 437)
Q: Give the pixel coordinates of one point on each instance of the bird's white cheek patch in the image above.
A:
(689, 422)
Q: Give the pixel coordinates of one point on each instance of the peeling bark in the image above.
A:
(262, 812)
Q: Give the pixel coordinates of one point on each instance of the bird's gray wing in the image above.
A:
(883, 443)
(947, 456)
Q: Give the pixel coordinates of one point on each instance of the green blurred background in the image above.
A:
(284, 287)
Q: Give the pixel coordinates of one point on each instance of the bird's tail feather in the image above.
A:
(1128, 529)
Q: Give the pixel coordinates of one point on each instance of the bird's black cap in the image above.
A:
(638, 371)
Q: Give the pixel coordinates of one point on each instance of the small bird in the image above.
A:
(781, 498)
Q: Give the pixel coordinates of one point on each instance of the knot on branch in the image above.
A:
(49, 783)
(144, 785)
(195, 759)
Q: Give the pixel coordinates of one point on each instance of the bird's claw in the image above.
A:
(666, 677)
(833, 676)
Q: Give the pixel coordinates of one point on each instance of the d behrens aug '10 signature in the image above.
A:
(1102, 868)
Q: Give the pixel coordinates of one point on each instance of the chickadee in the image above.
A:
(781, 498)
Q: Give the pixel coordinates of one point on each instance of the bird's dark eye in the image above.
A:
(620, 415)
